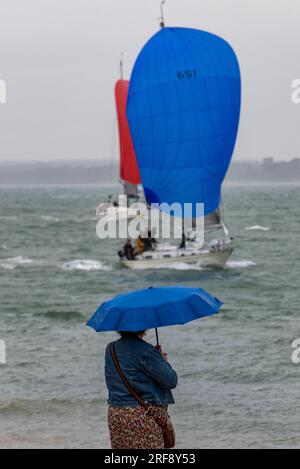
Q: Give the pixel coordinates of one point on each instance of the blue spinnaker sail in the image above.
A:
(183, 111)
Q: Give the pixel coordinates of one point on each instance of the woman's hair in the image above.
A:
(131, 335)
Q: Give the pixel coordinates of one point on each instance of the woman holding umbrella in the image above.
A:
(138, 376)
(131, 424)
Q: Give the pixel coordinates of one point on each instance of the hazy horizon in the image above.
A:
(60, 62)
(115, 162)
(108, 162)
(97, 172)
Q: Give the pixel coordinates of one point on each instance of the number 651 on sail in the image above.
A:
(187, 74)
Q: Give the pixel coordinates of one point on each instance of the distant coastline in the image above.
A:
(95, 172)
(265, 171)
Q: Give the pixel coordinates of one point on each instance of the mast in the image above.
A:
(162, 17)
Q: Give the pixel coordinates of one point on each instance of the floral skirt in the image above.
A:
(136, 428)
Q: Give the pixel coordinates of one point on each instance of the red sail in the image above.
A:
(129, 170)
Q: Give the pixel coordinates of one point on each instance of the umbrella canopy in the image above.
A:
(154, 307)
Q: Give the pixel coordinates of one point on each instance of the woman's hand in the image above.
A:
(164, 354)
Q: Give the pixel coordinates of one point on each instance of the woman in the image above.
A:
(146, 368)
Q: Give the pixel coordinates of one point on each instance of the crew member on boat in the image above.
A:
(139, 246)
(128, 251)
(183, 241)
(150, 242)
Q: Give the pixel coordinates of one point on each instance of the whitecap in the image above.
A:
(7, 266)
(13, 262)
(78, 220)
(85, 265)
(257, 228)
(50, 218)
(240, 264)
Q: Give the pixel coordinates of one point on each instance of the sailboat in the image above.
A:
(129, 171)
(183, 110)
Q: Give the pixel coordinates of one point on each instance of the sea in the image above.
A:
(238, 385)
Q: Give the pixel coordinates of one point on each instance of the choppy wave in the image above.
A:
(240, 264)
(25, 405)
(75, 220)
(257, 228)
(9, 217)
(50, 218)
(13, 262)
(181, 266)
(78, 220)
(85, 265)
(64, 315)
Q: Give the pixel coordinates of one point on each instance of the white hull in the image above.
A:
(164, 259)
(116, 213)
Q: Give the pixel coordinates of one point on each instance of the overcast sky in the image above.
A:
(59, 59)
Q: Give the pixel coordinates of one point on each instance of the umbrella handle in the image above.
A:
(157, 340)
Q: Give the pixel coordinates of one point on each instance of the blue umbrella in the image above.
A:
(154, 307)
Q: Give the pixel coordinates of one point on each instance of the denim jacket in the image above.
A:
(146, 370)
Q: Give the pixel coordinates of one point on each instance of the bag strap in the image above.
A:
(124, 379)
